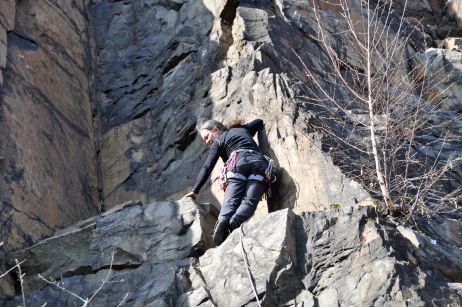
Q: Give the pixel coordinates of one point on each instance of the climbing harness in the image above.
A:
(229, 165)
(247, 266)
(229, 171)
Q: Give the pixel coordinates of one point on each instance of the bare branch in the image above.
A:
(57, 285)
(21, 281)
(11, 269)
(103, 282)
(395, 97)
(87, 300)
(123, 300)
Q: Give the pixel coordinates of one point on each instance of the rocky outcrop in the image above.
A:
(341, 257)
(160, 65)
(143, 248)
(164, 64)
(47, 145)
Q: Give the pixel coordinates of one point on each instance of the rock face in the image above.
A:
(164, 64)
(143, 72)
(160, 65)
(47, 146)
(332, 258)
(149, 246)
(343, 257)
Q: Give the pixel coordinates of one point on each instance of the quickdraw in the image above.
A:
(222, 179)
(271, 170)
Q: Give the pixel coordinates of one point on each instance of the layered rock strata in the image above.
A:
(164, 64)
(142, 248)
(47, 146)
(342, 257)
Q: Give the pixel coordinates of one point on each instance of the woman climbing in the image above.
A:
(245, 176)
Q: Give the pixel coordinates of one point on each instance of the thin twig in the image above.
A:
(103, 282)
(56, 284)
(21, 282)
(123, 300)
(11, 269)
(88, 300)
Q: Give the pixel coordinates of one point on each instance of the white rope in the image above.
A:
(249, 275)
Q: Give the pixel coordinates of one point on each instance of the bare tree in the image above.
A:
(379, 109)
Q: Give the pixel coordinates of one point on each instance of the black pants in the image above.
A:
(242, 196)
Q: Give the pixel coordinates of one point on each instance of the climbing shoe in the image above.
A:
(233, 224)
(220, 232)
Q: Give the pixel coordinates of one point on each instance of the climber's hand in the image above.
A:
(191, 194)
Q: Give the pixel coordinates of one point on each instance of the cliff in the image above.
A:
(99, 102)
(48, 157)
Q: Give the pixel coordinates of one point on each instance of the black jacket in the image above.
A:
(227, 142)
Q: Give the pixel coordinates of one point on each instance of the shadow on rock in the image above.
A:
(284, 192)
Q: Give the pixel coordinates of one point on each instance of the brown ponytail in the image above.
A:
(235, 123)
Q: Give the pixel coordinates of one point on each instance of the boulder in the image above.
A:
(343, 257)
(145, 245)
(153, 255)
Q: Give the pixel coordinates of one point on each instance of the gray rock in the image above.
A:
(331, 258)
(224, 60)
(272, 252)
(437, 245)
(158, 233)
(341, 257)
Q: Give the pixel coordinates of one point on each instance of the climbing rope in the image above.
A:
(249, 275)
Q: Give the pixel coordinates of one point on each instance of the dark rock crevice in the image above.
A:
(175, 61)
(23, 40)
(227, 16)
(172, 5)
(228, 13)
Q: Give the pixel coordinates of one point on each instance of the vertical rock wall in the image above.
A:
(153, 59)
(164, 64)
(6, 24)
(48, 176)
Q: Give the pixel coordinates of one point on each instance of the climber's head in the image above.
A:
(210, 130)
